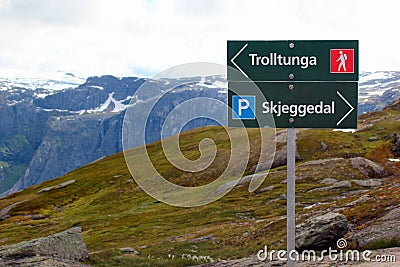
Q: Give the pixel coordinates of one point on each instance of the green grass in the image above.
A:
(394, 242)
(117, 259)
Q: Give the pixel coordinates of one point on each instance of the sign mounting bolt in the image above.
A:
(291, 45)
(291, 87)
(291, 120)
(291, 76)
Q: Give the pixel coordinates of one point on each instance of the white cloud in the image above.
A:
(135, 37)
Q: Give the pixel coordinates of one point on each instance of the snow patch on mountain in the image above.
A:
(375, 84)
(97, 87)
(41, 95)
(375, 76)
(110, 105)
(51, 81)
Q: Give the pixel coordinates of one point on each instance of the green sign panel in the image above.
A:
(293, 60)
(297, 104)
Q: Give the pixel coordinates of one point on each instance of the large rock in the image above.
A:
(396, 145)
(63, 249)
(59, 186)
(42, 261)
(337, 185)
(341, 184)
(323, 162)
(368, 182)
(321, 232)
(385, 228)
(328, 180)
(362, 199)
(368, 167)
(280, 159)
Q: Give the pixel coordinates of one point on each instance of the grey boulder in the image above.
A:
(321, 232)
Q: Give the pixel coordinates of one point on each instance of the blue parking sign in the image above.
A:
(244, 107)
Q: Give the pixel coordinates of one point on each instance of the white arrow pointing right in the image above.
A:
(234, 63)
(348, 113)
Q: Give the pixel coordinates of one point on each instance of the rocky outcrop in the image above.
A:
(324, 146)
(4, 212)
(385, 228)
(323, 162)
(265, 189)
(280, 159)
(368, 167)
(368, 182)
(362, 199)
(59, 186)
(328, 180)
(337, 185)
(396, 145)
(321, 232)
(129, 250)
(62, 249)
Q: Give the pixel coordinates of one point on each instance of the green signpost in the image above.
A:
(302, 73)
(302, 84)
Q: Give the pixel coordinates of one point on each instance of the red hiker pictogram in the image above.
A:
(342, 60)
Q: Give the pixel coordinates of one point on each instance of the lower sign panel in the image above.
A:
(299, 105)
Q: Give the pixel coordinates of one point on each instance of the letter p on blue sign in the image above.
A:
(244, 107)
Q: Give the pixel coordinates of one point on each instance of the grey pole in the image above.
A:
(290, 209)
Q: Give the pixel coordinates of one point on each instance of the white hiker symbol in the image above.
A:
(342, 58)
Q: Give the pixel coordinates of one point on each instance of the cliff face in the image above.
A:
(70, 142)
(21, 131)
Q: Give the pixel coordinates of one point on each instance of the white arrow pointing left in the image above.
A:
(234, 63)
(348, 113)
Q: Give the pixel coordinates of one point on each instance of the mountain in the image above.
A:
(352, 177)
(50, 127)
(377, 90)
(53, 124)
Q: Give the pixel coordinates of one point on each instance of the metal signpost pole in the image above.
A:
(290, 209)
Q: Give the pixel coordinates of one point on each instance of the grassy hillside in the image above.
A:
(115, 213)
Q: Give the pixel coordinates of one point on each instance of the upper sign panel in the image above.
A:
(293, 60)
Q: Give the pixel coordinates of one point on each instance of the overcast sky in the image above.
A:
(94, 37)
